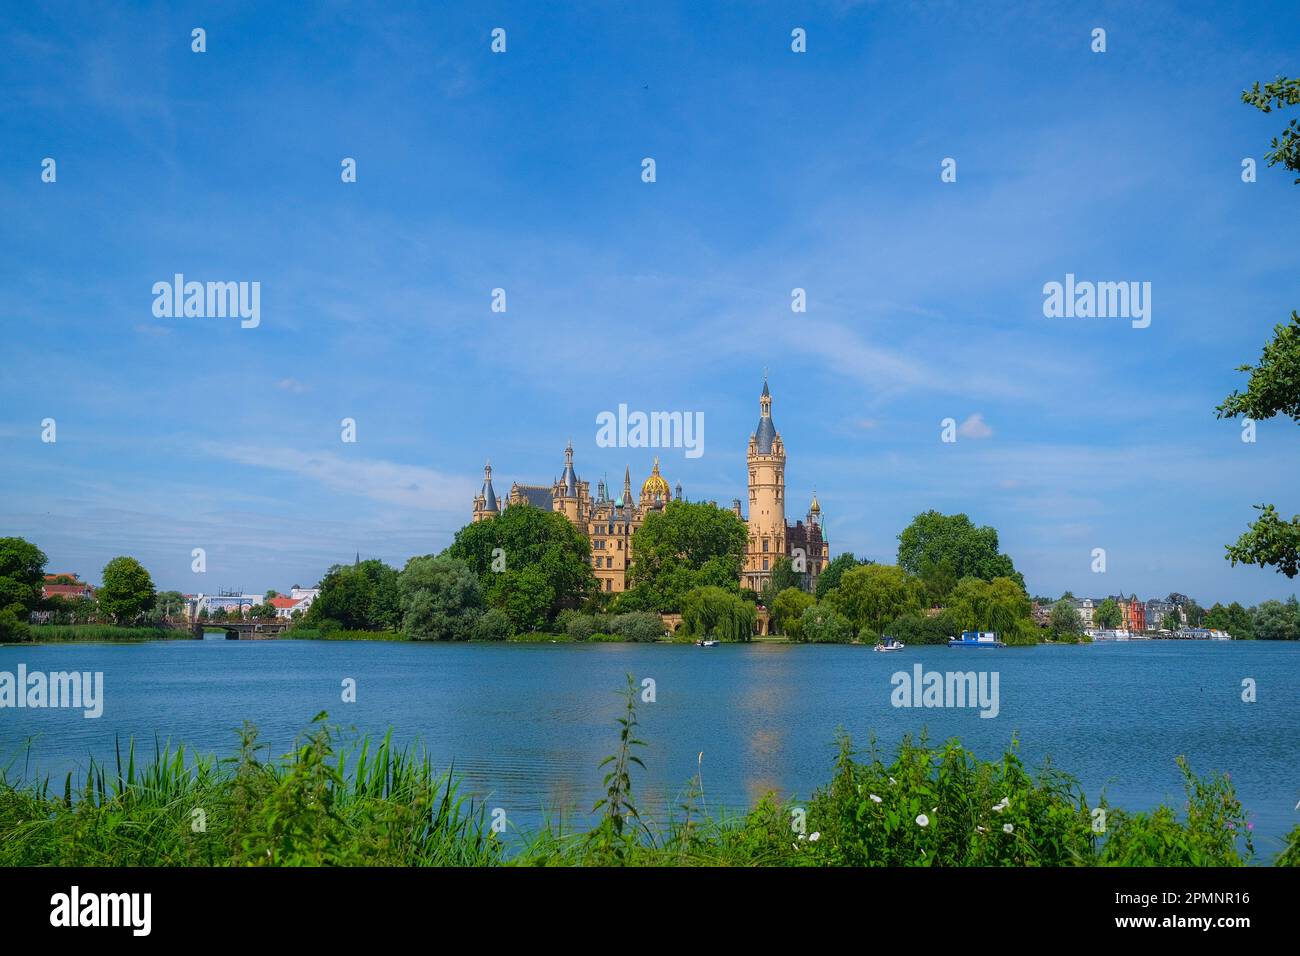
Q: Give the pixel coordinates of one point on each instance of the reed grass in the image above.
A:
(51, 633)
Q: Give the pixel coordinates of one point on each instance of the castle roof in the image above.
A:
(535, 495)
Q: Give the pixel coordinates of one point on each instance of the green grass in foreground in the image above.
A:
(51, 633)
(372, 804)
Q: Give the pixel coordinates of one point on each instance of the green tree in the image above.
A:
(822, 624)
(711, 611)
(783, 576)
(1277, 620)
(127, 592)
(1233, 618)
(1274, 384)
(346, 599)
(830, 577)
(787, 612)
(167, 604)
(641, 626)
(686, 546)
(1108, 614)
(872, 595)
(936, 580)
(1279, 94)
(22, 578)
(1066, 621)
(1000, 605)
(917, 628)
(936, 542)
(531, 564)
(13, 629)
(1171, 621)
(441, 599)
(493, 625)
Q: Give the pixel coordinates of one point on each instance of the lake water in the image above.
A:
(527, 724)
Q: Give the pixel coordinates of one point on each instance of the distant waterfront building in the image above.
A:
(303, 596)
(223, 602)
(1086, 608)
(284, 606)
(609, 523)
(69, 587)
(1158, 610)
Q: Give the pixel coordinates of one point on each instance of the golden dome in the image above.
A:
(655, 486)
(815, 508)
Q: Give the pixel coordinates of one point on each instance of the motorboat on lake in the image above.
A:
(889, 644)
(703, 643)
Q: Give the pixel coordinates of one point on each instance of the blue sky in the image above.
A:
(775, 170)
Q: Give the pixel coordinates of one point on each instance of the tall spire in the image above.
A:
(627, 485)
(489, 493)
(570, 479)
(766, 430)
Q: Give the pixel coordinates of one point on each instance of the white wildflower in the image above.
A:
(922, 820)
(1007, 828)
(875, 799)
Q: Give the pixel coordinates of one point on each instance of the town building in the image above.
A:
(609, 523)
(1158, 610)
(69, 587)
(225, 601)
(1086, 608)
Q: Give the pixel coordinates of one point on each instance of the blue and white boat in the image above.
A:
(889, 644)
(976, 639)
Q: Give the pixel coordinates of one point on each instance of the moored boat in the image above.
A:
(976, 639)
(889, 644)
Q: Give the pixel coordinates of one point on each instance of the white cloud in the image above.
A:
(975, 427)
(410, 486)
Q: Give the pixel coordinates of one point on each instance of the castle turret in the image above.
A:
(565, 493)
(767, 531)
(485, 503)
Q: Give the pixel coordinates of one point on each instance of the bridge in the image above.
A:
(260, 629)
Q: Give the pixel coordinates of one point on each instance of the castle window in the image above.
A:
(765, 564)
(765, 543)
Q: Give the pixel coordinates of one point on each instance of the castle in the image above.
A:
(609, 524)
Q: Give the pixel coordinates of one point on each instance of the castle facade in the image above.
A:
(610, 523)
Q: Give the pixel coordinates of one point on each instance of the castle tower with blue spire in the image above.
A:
(610, 523)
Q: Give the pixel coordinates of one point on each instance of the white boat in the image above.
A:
(889, 644)
(706, 643)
